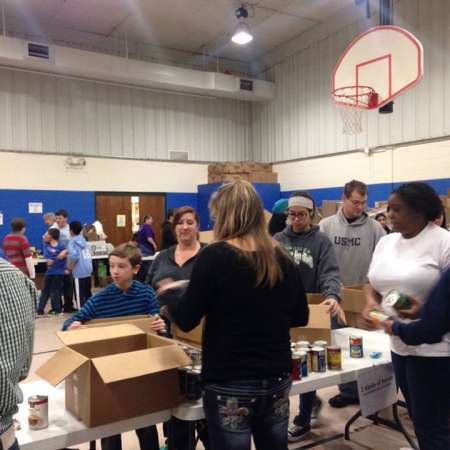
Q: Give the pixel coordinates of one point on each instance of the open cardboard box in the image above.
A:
(142, 321)
(115, 372)
(354, 302)
(193, 337)
(318, 328)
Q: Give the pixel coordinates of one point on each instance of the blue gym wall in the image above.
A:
(14, 203)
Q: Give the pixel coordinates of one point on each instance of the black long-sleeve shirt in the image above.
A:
(246, 333)
(434, 320)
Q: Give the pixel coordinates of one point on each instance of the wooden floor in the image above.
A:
(364, 435)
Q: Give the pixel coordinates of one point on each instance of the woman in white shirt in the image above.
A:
(410, 261)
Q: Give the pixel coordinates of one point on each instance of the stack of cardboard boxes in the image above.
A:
(254, 172)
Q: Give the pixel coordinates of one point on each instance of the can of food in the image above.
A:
(309, 359)
(296, 373)
(196, 358)
(37, 412)
(319, 359)
(303, 363)
(356, 347)
(322, 344)
(193, 384)
(303, 344)
(334, 358)
(397, 300)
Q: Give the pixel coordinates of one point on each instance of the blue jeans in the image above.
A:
(15, 446)
(237, 410)
(53, 287)
(425, 384)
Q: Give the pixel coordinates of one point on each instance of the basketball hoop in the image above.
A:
(352, 102)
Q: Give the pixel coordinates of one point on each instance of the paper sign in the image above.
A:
(121, 220)
(1, 218)
(35, 208)
(377, 389)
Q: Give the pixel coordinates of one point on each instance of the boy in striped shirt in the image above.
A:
(124, 297)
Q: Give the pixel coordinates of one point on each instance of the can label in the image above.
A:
(296, 373)
(304, 363)
(322, 344)
(356, 347)
(37, 412)
(319, 360)
(397, 300)
(334, 358)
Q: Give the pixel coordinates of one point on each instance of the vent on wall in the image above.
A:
(38, 50)
(178, 156)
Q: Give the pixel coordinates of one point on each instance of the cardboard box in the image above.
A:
(354, 302)
(193, 337)
(142, 321)
(330, 207)
(263, 177)
(318, 328)
(115, 372)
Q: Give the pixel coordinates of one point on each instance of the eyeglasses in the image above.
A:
(300, 215)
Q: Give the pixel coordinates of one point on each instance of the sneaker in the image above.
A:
(296, 433)
(70, 309)
(54, 313)
(340, 401)
(40, 314)
(317, 406)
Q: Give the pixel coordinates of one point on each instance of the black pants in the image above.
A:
(182, 434)
(53, 287)
(425, 384)
(84, 289)
(68, 292)
(148, 440)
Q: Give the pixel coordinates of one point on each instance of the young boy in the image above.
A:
(123, 297)
(55, 253)
(80, 262)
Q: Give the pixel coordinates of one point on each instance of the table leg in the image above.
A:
(92, 445)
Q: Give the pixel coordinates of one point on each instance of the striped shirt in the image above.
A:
(113, 302)
(16, 248)
(18, 298)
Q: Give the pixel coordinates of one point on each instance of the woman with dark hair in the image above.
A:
(441, 221)
(382, 219)
(411, 261)
(251, 294)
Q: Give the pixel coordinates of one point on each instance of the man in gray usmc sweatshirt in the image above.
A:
(354, 236)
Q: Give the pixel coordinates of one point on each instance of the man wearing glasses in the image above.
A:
(354, 236)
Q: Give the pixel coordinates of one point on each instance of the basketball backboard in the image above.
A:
(385, 60)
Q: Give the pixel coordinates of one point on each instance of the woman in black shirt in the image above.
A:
(251, 294)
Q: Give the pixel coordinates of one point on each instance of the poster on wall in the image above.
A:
(35, 208)
(121, 220)
(1, 218)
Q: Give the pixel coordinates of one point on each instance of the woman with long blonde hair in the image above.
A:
(250, 294)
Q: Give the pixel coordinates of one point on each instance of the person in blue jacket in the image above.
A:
(79, 261)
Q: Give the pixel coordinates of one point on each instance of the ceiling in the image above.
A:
(194, 26)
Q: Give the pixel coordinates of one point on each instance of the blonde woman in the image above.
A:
(250, 294)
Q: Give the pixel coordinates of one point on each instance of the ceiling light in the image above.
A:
(242, 35)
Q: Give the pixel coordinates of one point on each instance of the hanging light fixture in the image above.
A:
(242, 34)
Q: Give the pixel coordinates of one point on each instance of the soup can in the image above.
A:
(309, 359)
(334, 358)
(322, 344)
(37, 412)
(397, 300)
(319, 361)
(303, 344)
(303, 363)
(296, 373)
(356, 347)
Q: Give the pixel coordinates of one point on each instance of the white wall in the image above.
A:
(43, 113)
(33, 171)
(416, 162)
(302, 122)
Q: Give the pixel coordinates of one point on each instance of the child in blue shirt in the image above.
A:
(123, 297)
(55, 253)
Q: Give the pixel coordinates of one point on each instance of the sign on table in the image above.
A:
(377, 389)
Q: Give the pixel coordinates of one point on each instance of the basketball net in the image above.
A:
(352, 102)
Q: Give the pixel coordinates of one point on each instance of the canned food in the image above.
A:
(303, 363)
(356, 347)
(190, 383)
(296, 373)
(37, 412)
(303, 344)
(334, 358)
(377, 316)
(309, 359)
(319, 360)
(397, 300)
(322, 344)
(196, 358)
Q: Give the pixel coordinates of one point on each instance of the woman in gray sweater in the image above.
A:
(313, 252)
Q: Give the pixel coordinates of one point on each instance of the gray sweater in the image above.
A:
(353, 244)
(314, 254)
